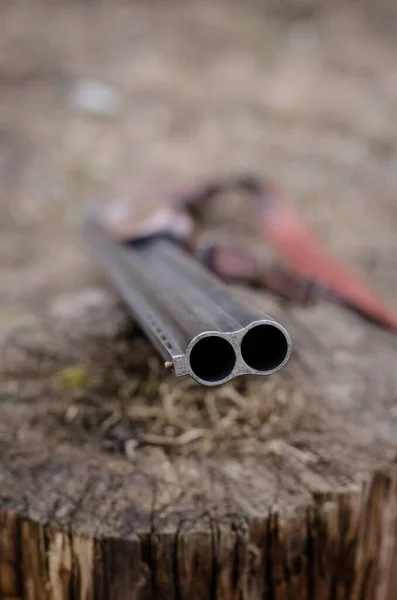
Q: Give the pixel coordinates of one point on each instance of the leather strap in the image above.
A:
(307, 270)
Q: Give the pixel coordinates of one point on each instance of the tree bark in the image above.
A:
(303, 512)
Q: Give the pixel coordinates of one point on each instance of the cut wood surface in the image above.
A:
(98, 499)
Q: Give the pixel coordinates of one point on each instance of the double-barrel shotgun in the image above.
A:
(196, 324)
(146, 240)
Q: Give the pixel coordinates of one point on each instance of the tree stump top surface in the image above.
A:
(97, 438)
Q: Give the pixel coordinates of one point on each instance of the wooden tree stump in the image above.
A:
(119, 482)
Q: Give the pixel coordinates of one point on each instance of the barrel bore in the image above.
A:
(212, 358)
(264, 347)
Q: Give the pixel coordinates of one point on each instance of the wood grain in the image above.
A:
(308, 512)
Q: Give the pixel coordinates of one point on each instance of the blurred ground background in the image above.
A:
(302, 91)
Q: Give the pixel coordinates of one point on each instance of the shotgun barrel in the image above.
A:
(189, 315)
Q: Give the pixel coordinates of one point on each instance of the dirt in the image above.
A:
(305, 94)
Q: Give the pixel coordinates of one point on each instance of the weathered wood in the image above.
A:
(301, 505)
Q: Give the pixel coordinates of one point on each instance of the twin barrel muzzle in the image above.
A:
(259, 349)
(190, 316)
